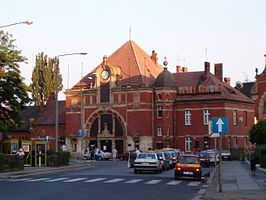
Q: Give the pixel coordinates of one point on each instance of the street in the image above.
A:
(100, 180)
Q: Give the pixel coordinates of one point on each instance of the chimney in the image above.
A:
(154, 57)
(178, 69)
(218, 69)
(184, 69)
(207, 67)
(227, 80)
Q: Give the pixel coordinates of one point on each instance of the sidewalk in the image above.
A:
(33, 171)
(238, 183)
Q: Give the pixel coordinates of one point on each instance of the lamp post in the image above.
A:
(56, 97)
(27, 22)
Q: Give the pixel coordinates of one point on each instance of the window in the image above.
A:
(206, 116)
(187, 144)
(159, 131)
(234, 117)
(167, 97)
(159, 112)
(187, 117)
(167, 131)
(159, 97)
(167, 111)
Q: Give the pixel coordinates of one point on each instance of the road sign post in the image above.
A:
(220, 125)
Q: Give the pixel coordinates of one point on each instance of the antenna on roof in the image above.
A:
(206, 54)
(130, 32)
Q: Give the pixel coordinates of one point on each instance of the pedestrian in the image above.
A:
(96, 154)
(137, 151)
(253, 160)
(20, 152)
(114, 153)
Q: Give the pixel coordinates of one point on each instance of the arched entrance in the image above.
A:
(106, 131)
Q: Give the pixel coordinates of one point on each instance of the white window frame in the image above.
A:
(159, 131)
(206, 116)
(159, 112)
(188, 144)
(187, 117)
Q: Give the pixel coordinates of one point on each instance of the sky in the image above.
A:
(187, 32)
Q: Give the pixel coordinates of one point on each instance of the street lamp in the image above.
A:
(56, 97)
(28, 22)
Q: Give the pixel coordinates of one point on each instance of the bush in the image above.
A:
(57, 158)
(11, 162)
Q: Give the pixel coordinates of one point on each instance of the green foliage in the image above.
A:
(258, 133)
(44, 78)
(58, 159)
(13, 91)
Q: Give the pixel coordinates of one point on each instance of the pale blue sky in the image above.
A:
(233, 31)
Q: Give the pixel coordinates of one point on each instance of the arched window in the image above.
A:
(159, 97)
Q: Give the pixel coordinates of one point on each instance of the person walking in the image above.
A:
(253, 160)
(114, 153)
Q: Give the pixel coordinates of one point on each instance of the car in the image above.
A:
(86, 156)
(166, 163)
(104, 155)
(188, 165)
(212, 156)
(148, 162)
(226, 154)
(204, 158)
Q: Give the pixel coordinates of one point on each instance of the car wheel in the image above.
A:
(100, 158)
(135, 171)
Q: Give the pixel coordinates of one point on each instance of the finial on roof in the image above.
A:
(105, 58)
(165, 63)
(154, 57)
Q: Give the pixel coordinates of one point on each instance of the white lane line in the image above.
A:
(114, 180)
(21, 179)
(193, 183)
(153, 181)
(57, 179)
(74, 180)
(173, 183)
(134, 180)
(94, 180)
(39, 179)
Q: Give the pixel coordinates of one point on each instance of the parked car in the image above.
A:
(204, 158)
(166, 163)
(86, 156)
(104, 155)
(226, 154)
(188, 165)
(148, 162)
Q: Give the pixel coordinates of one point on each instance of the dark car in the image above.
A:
(166, 163)
(204, 158)
(188, 165)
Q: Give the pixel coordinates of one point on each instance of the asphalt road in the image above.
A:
(103, 179)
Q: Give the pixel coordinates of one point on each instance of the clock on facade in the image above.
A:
(105, 74)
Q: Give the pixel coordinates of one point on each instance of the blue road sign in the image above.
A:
(220, 125)
(81, 133)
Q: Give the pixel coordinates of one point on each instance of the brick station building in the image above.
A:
(131, 101)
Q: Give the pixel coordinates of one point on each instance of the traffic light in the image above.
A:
(206, 143)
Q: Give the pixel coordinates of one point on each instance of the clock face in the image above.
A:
(105, 74)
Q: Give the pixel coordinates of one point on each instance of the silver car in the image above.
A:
(148, 162)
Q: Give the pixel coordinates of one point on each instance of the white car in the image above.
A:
(212, 156)
(148, 162)
(104, 155)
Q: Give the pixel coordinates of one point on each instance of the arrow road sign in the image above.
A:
(220, 124)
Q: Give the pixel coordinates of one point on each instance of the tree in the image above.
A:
(258, 133)
(13, 92)
(44, 79)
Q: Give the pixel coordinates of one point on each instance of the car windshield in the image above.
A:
(148, 156)
(188, 160)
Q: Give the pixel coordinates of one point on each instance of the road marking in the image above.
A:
(74, 180)
(94, 180)
(21, 179)
(57, 179)
(114, 180)
(173, 183)
(194, 183)
(134, 180)
(153, 182)
(39, 179)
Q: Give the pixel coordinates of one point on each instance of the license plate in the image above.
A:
(188, 173)
(192, 165)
